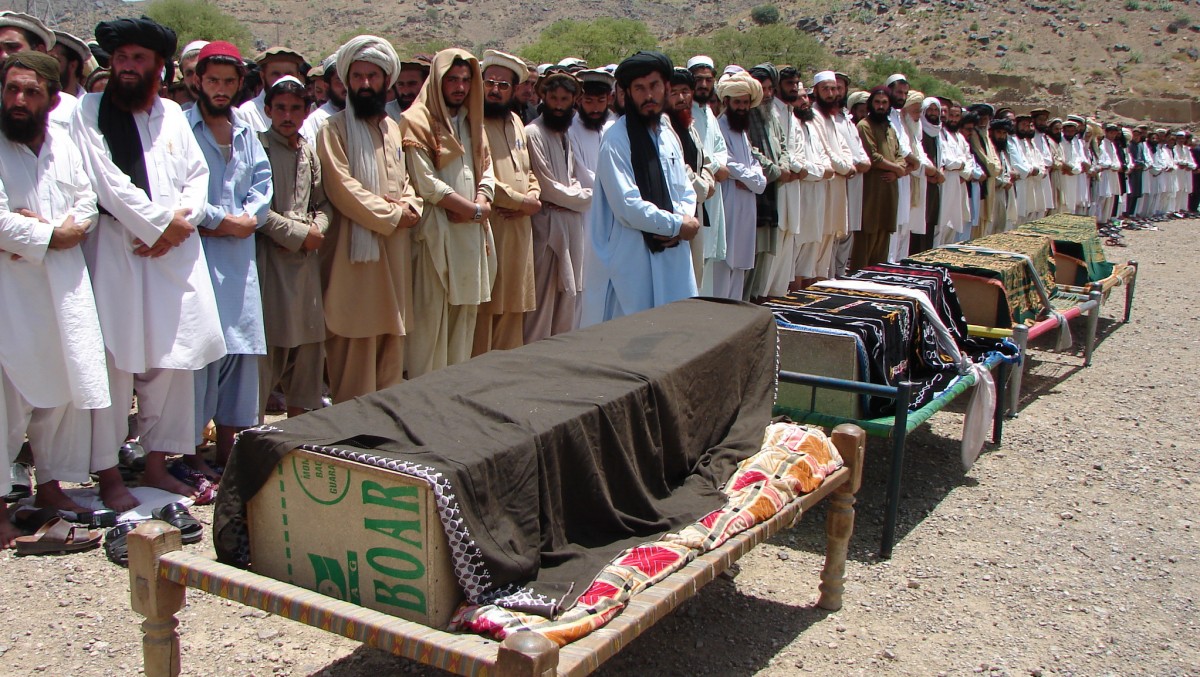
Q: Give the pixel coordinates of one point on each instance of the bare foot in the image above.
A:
(113, 491)
(8, 532)
(159, 478)
(51, 495)
(197, 463)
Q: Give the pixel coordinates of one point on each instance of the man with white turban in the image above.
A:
(368, 280)
(451, 165)
(738, 93)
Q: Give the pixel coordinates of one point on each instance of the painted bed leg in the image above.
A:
(851, 442)
(156, 599)
(1021, 336)
(1093, 321)
(526, 654)
(1129, 291)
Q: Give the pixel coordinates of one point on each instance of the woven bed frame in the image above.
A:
(160, 573)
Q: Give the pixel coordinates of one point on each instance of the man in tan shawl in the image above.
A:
(367, 259)
(454, 262)
(501, 322)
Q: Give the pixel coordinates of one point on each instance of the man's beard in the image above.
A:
(898, 105)
(680, 119)
(405, 101)
(1041, 127)
(702, 96)
(23, 131)
(132, 96)
(368, 103)
(806, 114)
(495, 111)
(739, 120)
(1028, 134)
(1057, 136)
(952, 126)
(828, 108)
(339, 102)
(877, 117)
(1000, 144)
(788, 97)
(212, 109)
(594, 121)
(557, 121)
(648, 119)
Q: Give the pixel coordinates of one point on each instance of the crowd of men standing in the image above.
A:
(260, 225)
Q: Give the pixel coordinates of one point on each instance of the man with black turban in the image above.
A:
(157, 309)
(643, 205)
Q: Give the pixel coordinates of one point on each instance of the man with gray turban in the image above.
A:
(368, 284)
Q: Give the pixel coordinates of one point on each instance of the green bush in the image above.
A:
(200, 20)
(778, 44)
(877, 69)
(599, 42)
(765, 15)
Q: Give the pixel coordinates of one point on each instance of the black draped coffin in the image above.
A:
(551, 459)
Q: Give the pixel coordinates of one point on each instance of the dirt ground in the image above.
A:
(1072, 549)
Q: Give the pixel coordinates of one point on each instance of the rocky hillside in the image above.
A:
(1138, 59)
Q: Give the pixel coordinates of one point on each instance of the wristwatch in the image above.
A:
(478, 212)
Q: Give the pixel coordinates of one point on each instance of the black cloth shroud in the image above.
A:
(647, 171)
(549, 460)
(124, 143)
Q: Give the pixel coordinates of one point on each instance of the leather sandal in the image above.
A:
(177, 515)
(58, 536)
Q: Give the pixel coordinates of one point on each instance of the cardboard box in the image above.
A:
(354, 532)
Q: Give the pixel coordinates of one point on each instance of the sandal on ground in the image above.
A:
(22, 482)
(1114, 242)
(177, 515)
(116, 544)
(58, 536)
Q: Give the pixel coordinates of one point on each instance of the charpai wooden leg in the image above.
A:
(154, 598)
(850, 441)
(525, 654)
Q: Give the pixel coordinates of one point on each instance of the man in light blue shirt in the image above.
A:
(239, 197)
(643, 204)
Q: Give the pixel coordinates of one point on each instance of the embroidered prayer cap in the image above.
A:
(492, 57)
(596, 75)
(192, 47)
(896, 77)
(738, 85)
(43, 64)
(144, 32)
(371, 49)
(286, 79)
(683, 76)
(701, 61)
(824, 76)
(29, 23)
(642, 64)
(219, 48)
(856, 98)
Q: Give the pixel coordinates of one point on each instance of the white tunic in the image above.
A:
(315, 120)
(155, 312)
(51, 349)
(254, 113)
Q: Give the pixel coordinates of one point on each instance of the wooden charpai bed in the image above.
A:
(160, 573)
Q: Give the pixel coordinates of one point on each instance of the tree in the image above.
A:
(603, 41)
(877, 69)
(200, 20)
(764, 15)
(778, 44)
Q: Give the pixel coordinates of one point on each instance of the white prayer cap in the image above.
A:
(824, 76)
(541, 69)
(287, 78)
(30, 23)
(701, 61)
(492, 57)
(896, 77)
(193, 46)
(732, 69)
(572, 61)
(610, 68)
(1180, 133)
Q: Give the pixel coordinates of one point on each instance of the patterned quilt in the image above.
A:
(794, 460)
(1074, 236)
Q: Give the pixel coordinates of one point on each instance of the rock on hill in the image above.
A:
(1138, 59)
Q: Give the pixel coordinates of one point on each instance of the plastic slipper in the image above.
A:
(177, 515)
(32, 519)
(116, 544)
(56, 537)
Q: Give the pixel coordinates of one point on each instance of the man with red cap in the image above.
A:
(239, 197)
(156, 304)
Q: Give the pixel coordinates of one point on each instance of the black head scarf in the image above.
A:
(643, 151)
(143, 32)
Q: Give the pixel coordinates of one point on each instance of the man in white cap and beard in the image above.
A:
(187, 70)
(842, 142)
(713, 234)
(368, 283)
(21, 32)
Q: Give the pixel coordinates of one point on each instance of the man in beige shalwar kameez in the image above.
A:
(367, 272)
(454, 262)
(501, 321)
